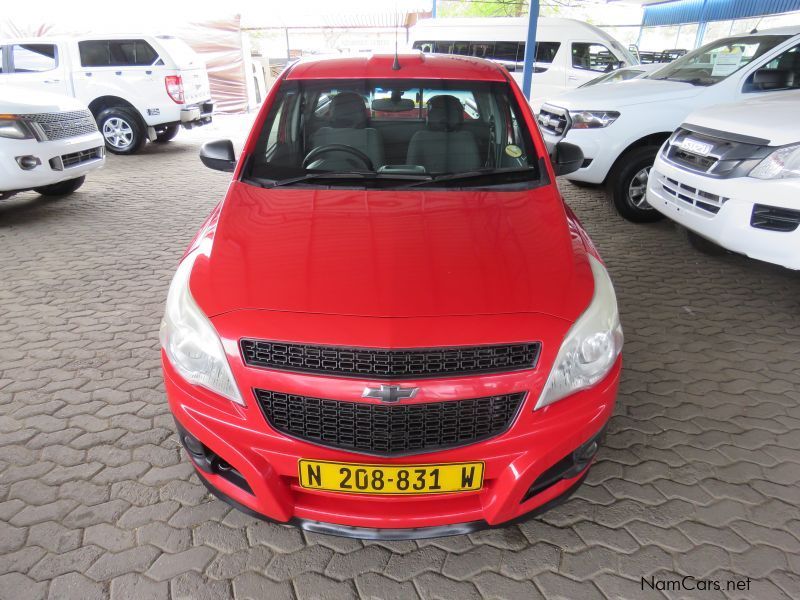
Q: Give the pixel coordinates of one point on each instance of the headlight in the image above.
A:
(591, 346)
(593, 119)
(190, 340)
(15, 128)
(781, 164)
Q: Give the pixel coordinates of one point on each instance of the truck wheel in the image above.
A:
(167, 133)
(62, 188)
(627, 185)
(698, 242)
(122, 129)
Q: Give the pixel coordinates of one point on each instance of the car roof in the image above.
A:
(414, 65)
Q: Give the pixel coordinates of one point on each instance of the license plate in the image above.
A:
(390, 479)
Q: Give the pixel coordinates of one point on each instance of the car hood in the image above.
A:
(18, 100)
(624, 93)
(393, 253)
(772, 118)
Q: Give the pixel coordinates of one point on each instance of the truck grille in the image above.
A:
(713, 155)
(774, 218)
(63, 125)
(688, 196)
(389, 430)
(553, 121)
(390, 364)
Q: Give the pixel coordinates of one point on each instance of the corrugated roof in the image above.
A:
(694, 11)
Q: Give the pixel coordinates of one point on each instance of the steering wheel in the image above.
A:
(316, 152)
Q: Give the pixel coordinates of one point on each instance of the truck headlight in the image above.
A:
(783, 163)
(190, 341)
(593, 119)
(591, 346)
(11, 126)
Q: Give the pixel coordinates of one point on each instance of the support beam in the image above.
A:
(530, 49)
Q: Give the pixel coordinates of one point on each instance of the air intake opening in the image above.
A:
(210, 462)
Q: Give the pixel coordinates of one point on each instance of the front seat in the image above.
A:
(348, 126)
(444, 146)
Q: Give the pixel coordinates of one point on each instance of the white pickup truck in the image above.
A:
(137, 87)
(48, 143)
(731, 175)
(620, 127)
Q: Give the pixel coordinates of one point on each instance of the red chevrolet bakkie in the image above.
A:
(392, 326)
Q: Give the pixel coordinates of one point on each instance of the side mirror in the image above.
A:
(567, 158)
(218, 155)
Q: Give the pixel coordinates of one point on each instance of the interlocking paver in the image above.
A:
(699, 474)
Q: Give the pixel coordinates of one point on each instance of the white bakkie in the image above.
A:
(48, 142)
(620, 127)
(731, 175)
(138, 87)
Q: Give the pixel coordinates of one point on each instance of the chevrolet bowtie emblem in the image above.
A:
(389, 393)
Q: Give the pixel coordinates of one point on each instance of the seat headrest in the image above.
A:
(348, 110)
(445, 112)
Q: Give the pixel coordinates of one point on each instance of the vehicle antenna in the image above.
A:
(396, 63)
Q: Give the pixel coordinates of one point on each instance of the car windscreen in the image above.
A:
(387, 133)
(718, 60)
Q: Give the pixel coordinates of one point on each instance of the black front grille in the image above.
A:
(389, 429)
(390, 364)
(774, 218)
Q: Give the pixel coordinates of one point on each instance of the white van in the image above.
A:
(568, 52)
(137, 87)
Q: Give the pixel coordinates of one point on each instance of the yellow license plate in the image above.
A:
(390, 479)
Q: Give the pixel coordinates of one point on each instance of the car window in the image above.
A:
(718, 60)
(34, 58)
(2, 50)
(781, 73)
(593, 57)
(116, 53)
(432, 128)
(510, 54)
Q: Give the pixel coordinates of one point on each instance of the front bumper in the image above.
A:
(730, 227)
(260, 465)
(57, 161)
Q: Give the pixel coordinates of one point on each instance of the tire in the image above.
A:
(167, 133)
(122, 129)
(627, 184)
(698, 242)
(62, 188)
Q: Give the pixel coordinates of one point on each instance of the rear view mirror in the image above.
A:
(567, 158)
(219, 155)
(770, 79)
(391, 105)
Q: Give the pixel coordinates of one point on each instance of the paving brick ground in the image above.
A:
(699, 475)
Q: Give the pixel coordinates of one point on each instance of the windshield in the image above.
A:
(373, 133)
(714, 62)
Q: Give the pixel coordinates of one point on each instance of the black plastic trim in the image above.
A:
(392, 534)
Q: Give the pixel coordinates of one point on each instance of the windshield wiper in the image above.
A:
(450, 177)
(339, 175)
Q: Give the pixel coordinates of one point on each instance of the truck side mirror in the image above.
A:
(218, 155)
(567, 158)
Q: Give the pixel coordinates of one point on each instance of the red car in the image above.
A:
(392, 326)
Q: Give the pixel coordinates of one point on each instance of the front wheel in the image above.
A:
(62, 188)
(167, 133)
(122, 129)
(627, 185)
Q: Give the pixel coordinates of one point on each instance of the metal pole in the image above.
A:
(530, 49)
(288, 54)
(433, 10)
(701, 26)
